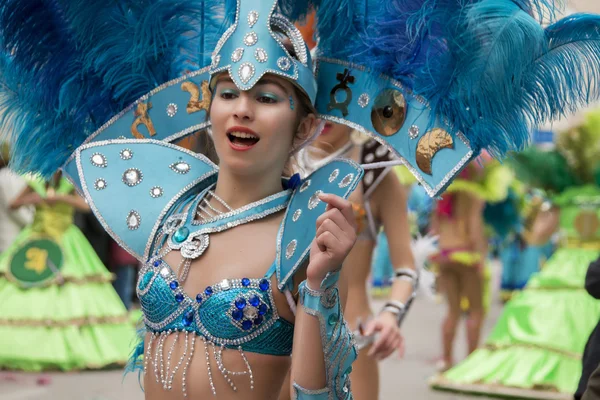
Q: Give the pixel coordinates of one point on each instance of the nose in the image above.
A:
(243, 108)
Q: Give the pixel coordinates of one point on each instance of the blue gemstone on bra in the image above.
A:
(254, 301)
(179, 297)
(240, 303)
(262, 309)
(258, 320)
(247, 324)
(174, 285)
(199, 298)
(237, 315)
(245, 282)
(208, 291)
(181, 234)
(156, 263)
(264, 285)
(188, 318)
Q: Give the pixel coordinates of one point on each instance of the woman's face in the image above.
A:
(254, 130)
(334, 135)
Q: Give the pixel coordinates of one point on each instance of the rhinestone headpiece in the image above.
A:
(253, 47)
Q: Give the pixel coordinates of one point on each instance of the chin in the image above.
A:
(239, 164)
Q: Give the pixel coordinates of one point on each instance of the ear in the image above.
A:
(306, 127)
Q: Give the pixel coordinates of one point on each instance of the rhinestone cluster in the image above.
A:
(261, 55)
(171, 109)
(413, 132)
(181, 167)
(134, 220)
(100, 184)
(363, 100)
(284, 63)
(98, 160)
(248, 310)
(237, 54)
(132, 177)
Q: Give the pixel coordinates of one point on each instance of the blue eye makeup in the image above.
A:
(267, 97)
(229, 93)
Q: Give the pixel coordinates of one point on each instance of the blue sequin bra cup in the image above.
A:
(234, 313)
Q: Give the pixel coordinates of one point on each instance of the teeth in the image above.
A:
(243, 135)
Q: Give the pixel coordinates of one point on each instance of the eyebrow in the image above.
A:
(263, 81)
(267, 81)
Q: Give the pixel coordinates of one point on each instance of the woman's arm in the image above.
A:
(390, 200)
(476, 227)
(323, 348)
(72, 199)
(25, 198)
(544, 226)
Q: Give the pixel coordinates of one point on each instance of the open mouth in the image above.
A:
(242, 140)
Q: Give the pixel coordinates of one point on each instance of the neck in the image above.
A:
(238, 191)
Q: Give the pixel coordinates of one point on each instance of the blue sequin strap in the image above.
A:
(338, 343)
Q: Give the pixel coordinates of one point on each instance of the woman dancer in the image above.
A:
(56, 293)
(379, 202)
(193, 224)
(458, 221)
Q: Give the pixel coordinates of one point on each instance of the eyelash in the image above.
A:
(267, 100)
(227, 95)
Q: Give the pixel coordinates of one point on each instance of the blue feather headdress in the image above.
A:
(67, 67)
(486, 71)
(486, 65)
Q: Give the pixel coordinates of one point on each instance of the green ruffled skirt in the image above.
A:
(79, 324)
(535, 349)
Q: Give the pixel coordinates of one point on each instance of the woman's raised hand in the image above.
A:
(336, 235)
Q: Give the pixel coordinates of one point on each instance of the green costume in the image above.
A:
(535, 349)
(58, 309)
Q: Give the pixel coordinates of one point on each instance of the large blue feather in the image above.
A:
(486, 65)
(72, 65)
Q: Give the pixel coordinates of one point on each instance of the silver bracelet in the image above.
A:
(407, 274)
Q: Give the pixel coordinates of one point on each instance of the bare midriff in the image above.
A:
(454, 231)
(268, 373)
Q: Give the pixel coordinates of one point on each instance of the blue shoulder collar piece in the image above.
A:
(298, 229)
(383, 109)
(131, 184)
